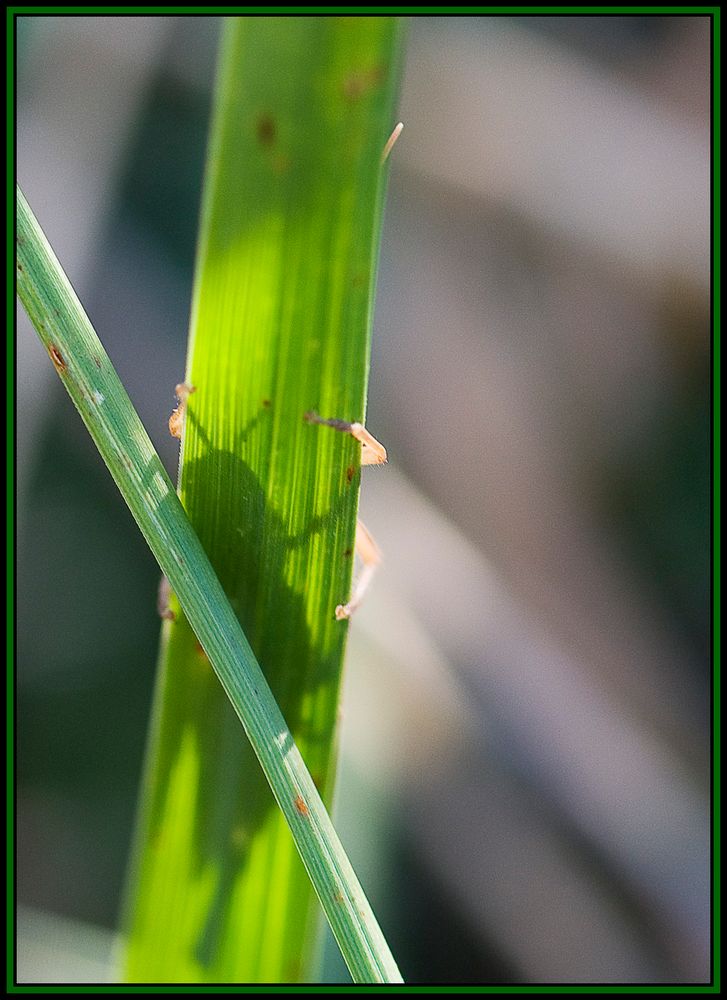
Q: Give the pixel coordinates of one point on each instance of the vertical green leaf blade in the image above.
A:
(280, 326)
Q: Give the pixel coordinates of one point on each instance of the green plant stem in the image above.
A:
(94, 387)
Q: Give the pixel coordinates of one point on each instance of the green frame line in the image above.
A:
(715, 13)
(716, 497)
(10, 493)
(308, 9)
(339, 988)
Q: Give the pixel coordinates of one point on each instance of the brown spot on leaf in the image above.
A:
(266, 130)
(348, 553)
(300, 805)
(97, 361)
(57, 359)
(338, 896)
(267, 403)
(280, 163)
(293, 967)
(350, 473)
(363, 81)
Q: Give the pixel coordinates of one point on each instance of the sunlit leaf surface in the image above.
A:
(280, 327)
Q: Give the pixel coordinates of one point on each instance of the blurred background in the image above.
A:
(525, 787)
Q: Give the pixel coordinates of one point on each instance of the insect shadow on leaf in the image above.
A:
(249, 546)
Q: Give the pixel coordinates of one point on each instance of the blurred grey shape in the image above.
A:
(479, 714)
(554, 137)
(73, 126)
(55, 949)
